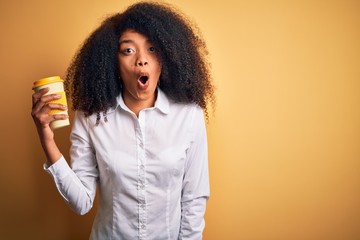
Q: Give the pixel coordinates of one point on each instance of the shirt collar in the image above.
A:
(162, 102)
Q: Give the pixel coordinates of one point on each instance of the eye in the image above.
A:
(127, 51)
(152, 49)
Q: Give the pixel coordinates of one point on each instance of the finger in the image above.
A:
(48, 98)
(43, 101)
(43, 117)
(56, 106)
(60, 116)
(40, 110)
(52, 106)
(37, 95)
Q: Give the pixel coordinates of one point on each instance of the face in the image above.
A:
(139, 67)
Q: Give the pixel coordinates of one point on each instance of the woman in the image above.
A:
(139, 85)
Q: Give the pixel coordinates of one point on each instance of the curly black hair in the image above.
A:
(93, 79)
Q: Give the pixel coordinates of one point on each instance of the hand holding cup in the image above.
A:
(49, 106)
(49, 101)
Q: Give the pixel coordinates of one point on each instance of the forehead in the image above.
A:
(132, 36)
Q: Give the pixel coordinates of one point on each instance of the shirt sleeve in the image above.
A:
(196, 190)
(77, 185)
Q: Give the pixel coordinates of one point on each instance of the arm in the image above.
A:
(78, 189)
(42, 120)
(77, 185)
(195, 190)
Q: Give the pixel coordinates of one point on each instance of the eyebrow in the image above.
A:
(126, 41)
(131, 41)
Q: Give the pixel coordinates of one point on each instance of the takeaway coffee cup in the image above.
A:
(56, 86)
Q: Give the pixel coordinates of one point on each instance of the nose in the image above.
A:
(141, 60)
(141, 63)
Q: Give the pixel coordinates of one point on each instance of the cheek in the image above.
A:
(123, 69)
(120, 64)
(159, 68)
(124, 75)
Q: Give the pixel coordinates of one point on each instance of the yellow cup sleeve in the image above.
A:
(62, 101)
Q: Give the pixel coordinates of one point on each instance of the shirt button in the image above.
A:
(142, 167)
(143, 226)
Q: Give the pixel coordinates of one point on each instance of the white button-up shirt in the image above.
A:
(152, 171)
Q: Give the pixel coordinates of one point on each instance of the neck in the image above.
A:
(136, 105)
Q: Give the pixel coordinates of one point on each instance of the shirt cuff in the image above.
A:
(59, 169)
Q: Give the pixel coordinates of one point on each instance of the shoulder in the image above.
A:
(169, 106)
(189, 115)
(83, 121)
(191, 110)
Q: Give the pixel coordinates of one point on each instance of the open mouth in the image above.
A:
(143, 79)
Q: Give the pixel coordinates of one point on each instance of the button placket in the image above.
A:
(141, 176)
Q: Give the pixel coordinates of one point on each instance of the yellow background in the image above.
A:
(284, 140)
